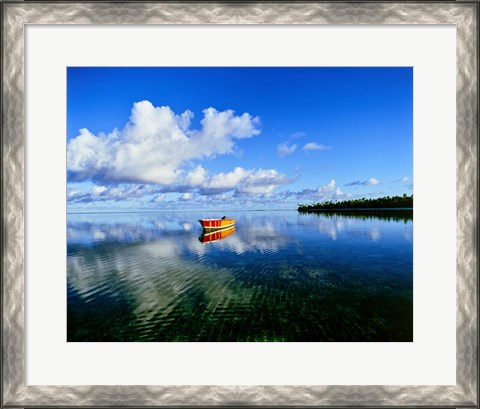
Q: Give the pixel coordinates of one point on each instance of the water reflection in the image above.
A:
(210, 237)
(384, 214)
(278, 276)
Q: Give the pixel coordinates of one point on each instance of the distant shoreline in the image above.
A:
(360, 209)
(386, 203)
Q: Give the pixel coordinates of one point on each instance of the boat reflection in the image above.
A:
(217, 235)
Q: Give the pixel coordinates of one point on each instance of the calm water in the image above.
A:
(281, 276)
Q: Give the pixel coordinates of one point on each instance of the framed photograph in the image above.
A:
(239, 204)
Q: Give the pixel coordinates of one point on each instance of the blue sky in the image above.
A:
(231, 138)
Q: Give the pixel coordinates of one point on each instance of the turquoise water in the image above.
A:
(281, 276)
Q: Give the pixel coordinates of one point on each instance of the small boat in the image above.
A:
(216, 235)
(217, 224)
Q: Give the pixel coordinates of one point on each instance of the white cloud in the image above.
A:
(116, 193)
(99, 189)
(148, 158)
(262, 182)
(368, 182)
(339, 192)
(329, 187)
(330, 191)
(71, 193)
(312, 146)
(239, 181)
(155, 144)
(246, 181)
(227, 181)
(371, 182)
(283, 149)
(197, 177)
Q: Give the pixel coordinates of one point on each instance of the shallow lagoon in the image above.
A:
(281, 276)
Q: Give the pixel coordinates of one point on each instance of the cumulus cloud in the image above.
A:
(116, 193)
(368, 182)
(329, 187)
(329, 191)
(371, 182)
(197, 177)
(229, 180)
(262, 182)
(284, 149)
(312, 146)
(197, 183)
(245, 181)
(155, 145)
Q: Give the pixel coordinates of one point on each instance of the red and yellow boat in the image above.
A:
(217, 224)
(216, 235)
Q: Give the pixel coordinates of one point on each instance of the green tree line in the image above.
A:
(387, 202)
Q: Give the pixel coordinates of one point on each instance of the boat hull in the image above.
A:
(216, 224)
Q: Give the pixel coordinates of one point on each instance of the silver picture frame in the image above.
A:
(17, 14)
